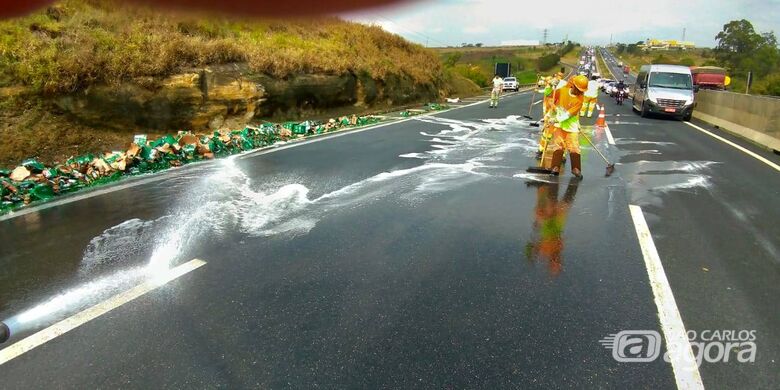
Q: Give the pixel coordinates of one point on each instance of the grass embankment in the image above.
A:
(478, 64)
(603, 68)
(73, 44)
(572, 57)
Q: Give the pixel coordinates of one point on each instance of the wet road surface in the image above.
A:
(415, 255)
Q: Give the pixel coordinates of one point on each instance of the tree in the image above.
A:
(737, 40)
(742, 49)
(770, 86)
(762, 61)
(478, 44)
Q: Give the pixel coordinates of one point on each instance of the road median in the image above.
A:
(755, 118)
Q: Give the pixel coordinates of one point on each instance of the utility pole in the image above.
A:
(683, 34)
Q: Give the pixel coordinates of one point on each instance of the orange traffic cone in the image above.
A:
(601, 121)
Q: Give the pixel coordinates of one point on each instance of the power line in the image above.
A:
(419, 35)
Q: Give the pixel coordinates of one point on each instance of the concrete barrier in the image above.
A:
(756, 118)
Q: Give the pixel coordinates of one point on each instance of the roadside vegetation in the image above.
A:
(741, 49)
(602, 66)
(76, 43)
(478, 64)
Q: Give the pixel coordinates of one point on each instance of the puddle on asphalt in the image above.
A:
(648, 181)
(463, 153)
(633, 141)
(227, 200)
(546, 244)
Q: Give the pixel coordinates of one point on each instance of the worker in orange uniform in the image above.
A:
(591, 96)
(550, 85)
(549, 221)
(566, 122)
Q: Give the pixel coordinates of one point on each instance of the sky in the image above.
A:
(452, 22)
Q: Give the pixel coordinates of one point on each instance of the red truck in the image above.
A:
(709, 77)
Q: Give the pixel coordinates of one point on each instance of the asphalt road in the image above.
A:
(418, 254)
(615, 72)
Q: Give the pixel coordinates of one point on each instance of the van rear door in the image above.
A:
(640, 89)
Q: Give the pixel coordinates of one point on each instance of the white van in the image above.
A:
(664, 89)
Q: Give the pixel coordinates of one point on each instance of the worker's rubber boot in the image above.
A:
(557, 158)
(576, 165)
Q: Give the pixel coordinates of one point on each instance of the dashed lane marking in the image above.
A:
(609, 135)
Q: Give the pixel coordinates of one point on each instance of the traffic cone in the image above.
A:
(601, 121)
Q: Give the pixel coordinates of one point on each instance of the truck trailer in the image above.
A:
(709, 77)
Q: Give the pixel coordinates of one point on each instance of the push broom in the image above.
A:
(541, 169)
(610, 166)
(531, 106)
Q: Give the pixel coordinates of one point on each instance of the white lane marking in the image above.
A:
(748, 152)
(95, 311)
(686, 372)
(609, 135)
(537, 102)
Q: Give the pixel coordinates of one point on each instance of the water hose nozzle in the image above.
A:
(5, 332)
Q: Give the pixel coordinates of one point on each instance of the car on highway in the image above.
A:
(609, 86)
(510, 84)
(664, 89)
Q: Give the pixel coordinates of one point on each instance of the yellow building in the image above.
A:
(666, 44)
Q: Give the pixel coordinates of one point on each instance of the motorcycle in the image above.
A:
(620, 96)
